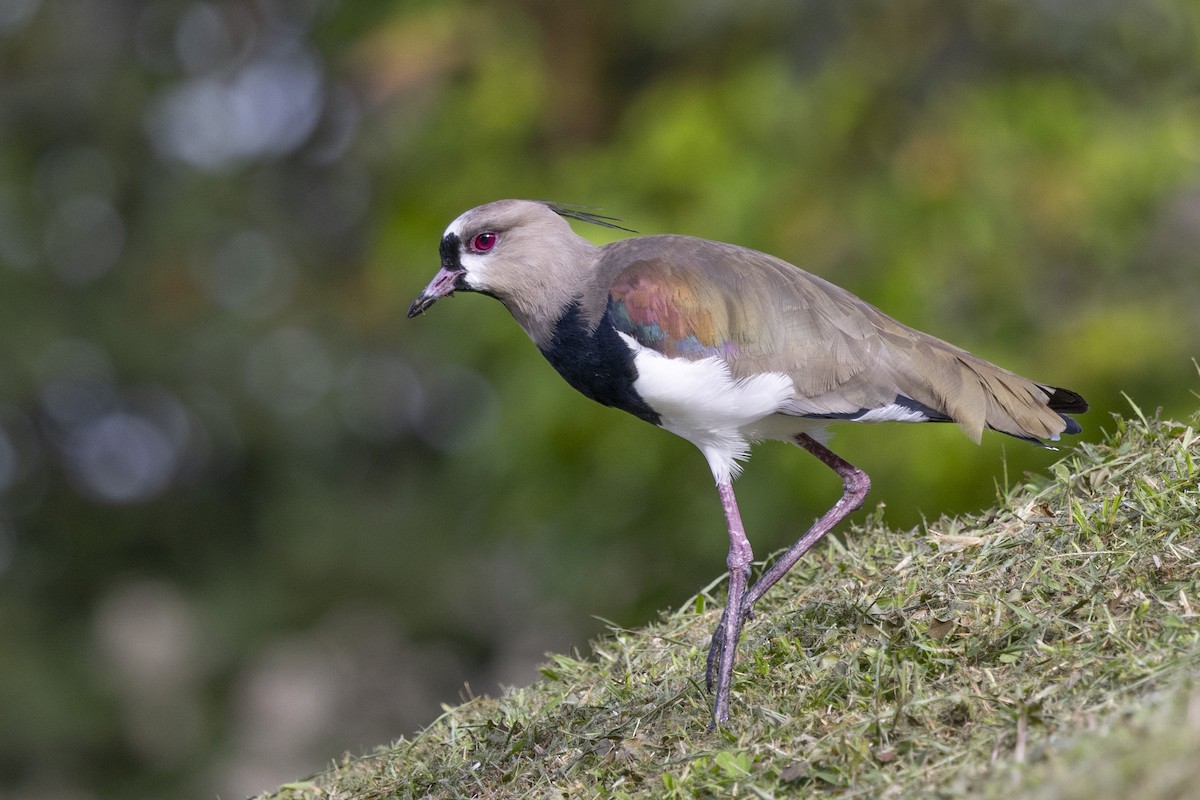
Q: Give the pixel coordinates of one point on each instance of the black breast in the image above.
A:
(597, 363)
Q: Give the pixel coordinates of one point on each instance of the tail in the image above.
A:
(1064, 401)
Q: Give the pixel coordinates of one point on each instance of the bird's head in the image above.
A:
(522, 252)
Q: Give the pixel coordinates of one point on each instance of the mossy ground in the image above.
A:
(1048, 648)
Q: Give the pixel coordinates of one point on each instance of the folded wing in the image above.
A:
(692, 298)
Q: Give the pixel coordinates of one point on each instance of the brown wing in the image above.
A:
(692, 298)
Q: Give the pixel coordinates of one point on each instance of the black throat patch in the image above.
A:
(597, 363)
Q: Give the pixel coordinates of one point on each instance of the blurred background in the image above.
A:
(252, 518)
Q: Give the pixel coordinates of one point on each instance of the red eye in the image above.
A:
(484, 242)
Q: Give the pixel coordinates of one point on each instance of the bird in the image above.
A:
(726, 347)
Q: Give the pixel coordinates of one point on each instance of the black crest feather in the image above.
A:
(583, 214)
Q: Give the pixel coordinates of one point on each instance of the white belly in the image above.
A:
(722, 415)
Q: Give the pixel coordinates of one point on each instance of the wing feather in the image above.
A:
(693, 298)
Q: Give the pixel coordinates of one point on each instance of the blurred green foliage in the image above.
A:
(251, 517)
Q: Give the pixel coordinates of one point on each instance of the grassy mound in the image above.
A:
(1048, 648)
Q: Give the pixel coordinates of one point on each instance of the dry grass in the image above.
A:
(1049, 648)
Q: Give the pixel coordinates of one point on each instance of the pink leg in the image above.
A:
(724, 643)
(855, 485)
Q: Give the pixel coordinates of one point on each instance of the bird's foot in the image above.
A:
(718, 672)
(717, 646)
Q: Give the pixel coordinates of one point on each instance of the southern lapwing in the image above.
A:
(726, 346)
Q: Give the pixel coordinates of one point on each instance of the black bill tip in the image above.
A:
(420, 304)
